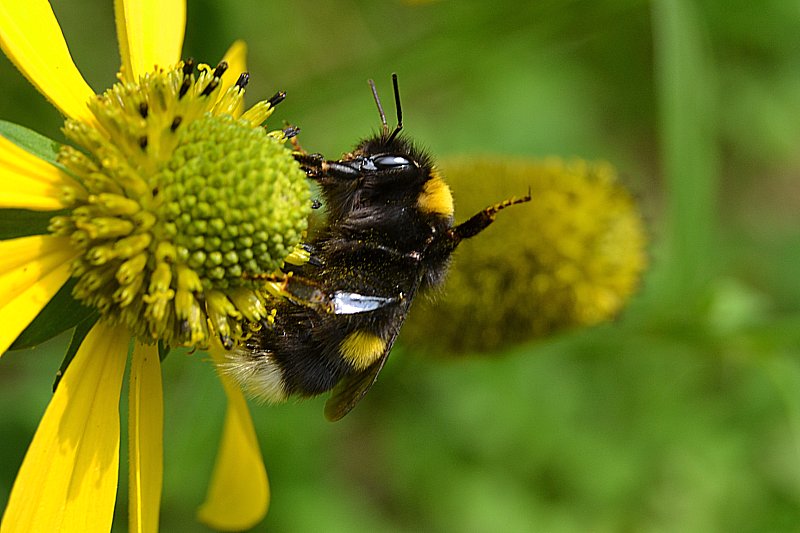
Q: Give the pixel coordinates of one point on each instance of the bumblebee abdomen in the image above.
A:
(258, 373)
(306, 352)
(361, 348)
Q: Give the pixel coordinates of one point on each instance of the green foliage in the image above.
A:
(24, 222)
(30, 141)
(61, 313)
(683, 416)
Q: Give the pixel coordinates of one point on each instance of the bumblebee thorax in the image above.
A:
(435, 197)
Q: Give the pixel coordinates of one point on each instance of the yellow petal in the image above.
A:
(68, 479)
(33, 196)
(32, 269)
(150, 34)
(31, 38)
(236, 57)
(238, 495)
(145, 439)
(29, 182)
(34, 257)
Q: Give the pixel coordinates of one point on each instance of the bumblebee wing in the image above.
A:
(349, 391)
(351, 303)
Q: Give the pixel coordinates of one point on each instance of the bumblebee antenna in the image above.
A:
(380, 107)
(397, 106)
(384, 124)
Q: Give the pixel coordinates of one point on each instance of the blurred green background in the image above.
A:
(683, 415)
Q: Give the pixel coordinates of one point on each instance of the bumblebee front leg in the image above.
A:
(318, 168)
(310, 163)
(297, 289)
(307, 293)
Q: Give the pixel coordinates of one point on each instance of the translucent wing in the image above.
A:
(353, 388)
(351, 303)
(348, 392)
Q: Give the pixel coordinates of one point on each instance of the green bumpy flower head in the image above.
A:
(185, 204)
(228, 201)
(571, 257)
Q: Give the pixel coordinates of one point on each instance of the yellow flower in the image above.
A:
(163, 212)
(572, 257)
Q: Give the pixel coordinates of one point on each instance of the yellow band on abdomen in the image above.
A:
(362, 348)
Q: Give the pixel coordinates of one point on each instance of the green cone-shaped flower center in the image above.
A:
(185, 203)
(230, 201)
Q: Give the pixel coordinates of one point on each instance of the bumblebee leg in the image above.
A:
(317, 167)
(310, 163)
(295, 142)
(480, 221)
(298, 290)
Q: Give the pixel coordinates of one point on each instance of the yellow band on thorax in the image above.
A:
(436, 196)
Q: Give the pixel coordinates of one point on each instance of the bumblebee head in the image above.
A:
(383, 170)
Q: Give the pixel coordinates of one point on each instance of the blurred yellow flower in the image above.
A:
(572, 257)
(154, 219)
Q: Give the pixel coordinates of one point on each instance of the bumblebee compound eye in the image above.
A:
(389, 162)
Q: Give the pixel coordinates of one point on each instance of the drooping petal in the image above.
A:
(236, 57)
(150, 34)
(31, 38)
(68, 479)
(32, 269)
(238, 495)
(146, 436)
(28, 182)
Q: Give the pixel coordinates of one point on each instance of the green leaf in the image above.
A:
(687, 90)
(81, 330)
(24, 222)
(163, 350)
(30, 141)
(60, 314)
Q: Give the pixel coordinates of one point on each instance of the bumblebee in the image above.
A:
(389, 234)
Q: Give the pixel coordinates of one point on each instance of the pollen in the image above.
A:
(184, 201)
